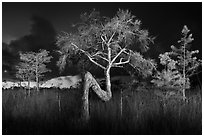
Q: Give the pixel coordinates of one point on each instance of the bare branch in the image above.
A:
(121, 59)
(103, 58)
(122, 62)
(111, 38)
(98, 55)
(192, 73)
(91, 59)
(79, 48)
(89, 56)
(102, 43)
(122, 50)
(98, 52)
(103, 53)
(103, 39)
(126, 52)
(58, 51)
(117, 66)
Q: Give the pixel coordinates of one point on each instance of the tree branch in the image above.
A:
(117, 55)
(193, 73)
(103, 40)
(105, 37)
(122, 62)
(117, 66)
(89, 56)
(103, 58)
(91, 59)
(98, 55)
(78, 48)
(111, 38)
(95, 54)
(126, 52)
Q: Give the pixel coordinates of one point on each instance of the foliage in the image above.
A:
(170, 76)
(24, 72)
(24, 69)
(41, 58)
(142, 66)
(33, 64)
(180, 64)
(187, 62)
(106, 42)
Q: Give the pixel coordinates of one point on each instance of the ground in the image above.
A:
(56, 111)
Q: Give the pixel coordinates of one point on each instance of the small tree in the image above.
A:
(106, 43)
(33, 63)
(187, 62)
(183, 68)
(168, 80)
(169, 77)
(41, 58)
(24, 70)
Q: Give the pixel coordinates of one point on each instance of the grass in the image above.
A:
(142, 113)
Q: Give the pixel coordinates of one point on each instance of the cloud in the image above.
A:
(8, 38)
(9, 58)
(42, 36)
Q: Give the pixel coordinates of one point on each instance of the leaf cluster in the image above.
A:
(170, 76)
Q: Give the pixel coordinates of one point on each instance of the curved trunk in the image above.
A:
(90, 81)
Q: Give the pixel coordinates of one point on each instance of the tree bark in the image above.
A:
(20, 85)
(184, 95)
(36, 74)
(184, 75)
(28, 87)
(90, 81)
(85, 99)
(37, 83)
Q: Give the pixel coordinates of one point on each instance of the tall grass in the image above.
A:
(59, 112)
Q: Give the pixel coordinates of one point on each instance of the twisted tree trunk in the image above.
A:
(90, 81)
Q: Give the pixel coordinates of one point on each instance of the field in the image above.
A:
(56, 111)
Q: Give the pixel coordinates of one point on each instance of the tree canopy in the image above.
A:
(32, 65)
(107, 41)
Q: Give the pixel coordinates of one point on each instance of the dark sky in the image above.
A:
(160, 18)
(25, 21)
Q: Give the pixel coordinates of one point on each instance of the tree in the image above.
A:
(39, 66)
(181, 64)
(24, 70)
(33, 63)
(106, 43)
(169, 78)
(187, 62)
